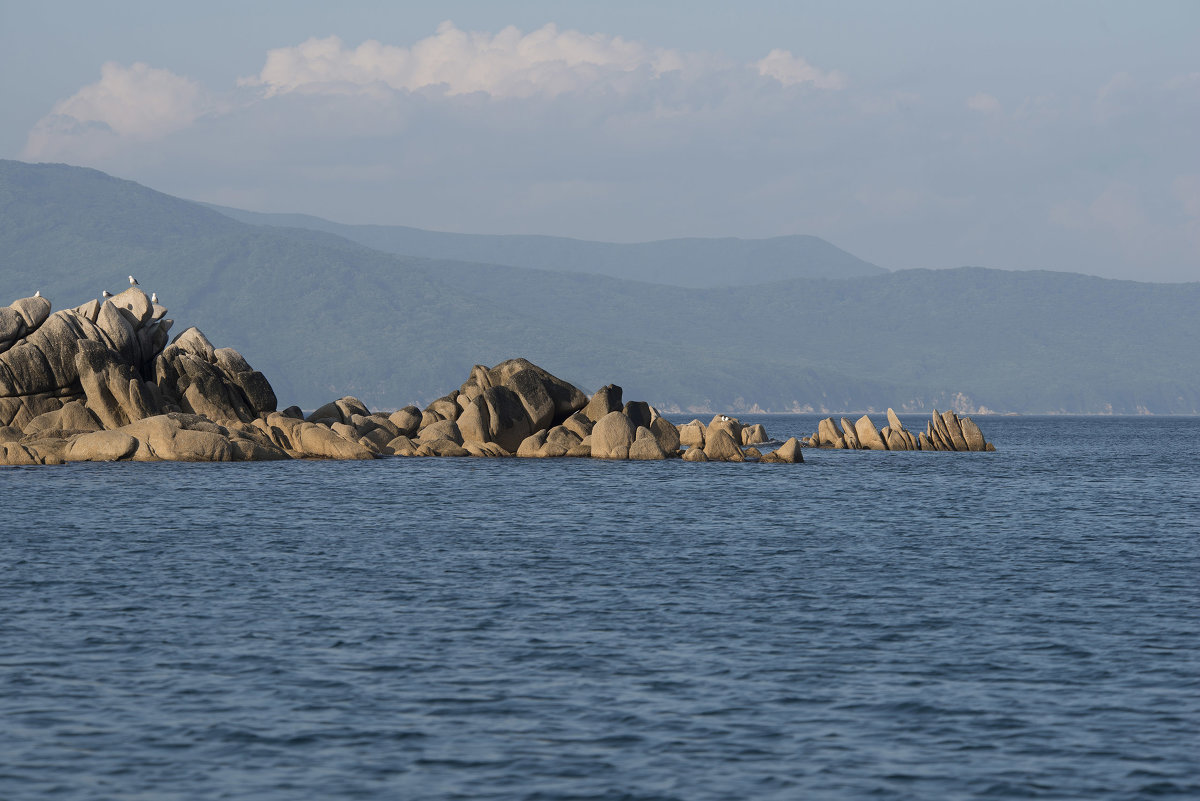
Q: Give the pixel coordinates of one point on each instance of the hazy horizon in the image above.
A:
(1022, 137)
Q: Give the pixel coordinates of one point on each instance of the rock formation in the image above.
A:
(102, 382)
(944, 432)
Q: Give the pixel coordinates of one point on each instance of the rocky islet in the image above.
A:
(103, 382)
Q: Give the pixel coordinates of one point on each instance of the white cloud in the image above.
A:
(791, 70)
(138, 102)
(546, 61)
(983, 103)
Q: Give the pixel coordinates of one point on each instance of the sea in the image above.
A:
(865, 625)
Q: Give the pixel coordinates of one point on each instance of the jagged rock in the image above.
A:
(113, 394)
(753, 435)
(721, 447)
(895, 440)
(893, 420)
(408, 420)
(606, 401)
(692, 434)
(868, 435)
(787, 453)
(638, 413)
(328, 413)
(666, 433)
(565, 397)
(645, 446)
(850, 434)
(925, 443)
(972, 435)
(828, 432)
(694, 454)
(612, 436)
(955, 430)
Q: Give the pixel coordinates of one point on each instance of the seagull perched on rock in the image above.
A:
(37, 294)
(132, 281)
(106, 294)
(154, 297)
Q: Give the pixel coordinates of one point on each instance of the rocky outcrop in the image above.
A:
(944, 432)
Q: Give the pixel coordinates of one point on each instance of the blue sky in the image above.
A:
(1020, 135)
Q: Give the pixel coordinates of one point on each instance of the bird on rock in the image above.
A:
(37, 294)
(106, 294)
(154, 297)
(132, 281)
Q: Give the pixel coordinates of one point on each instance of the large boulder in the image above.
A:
(443, 429)
(692, 434)
(508, 422)
(408, 420)
(612, 436)
(787, 453)
(722, 422)
(101, 446)
(954, 429)
(868, 436)
(638, 413)
(972, 435)
(475, 421)
(850, 433)
(753, 435)
(666, 433)
(645, 446)
(528, 386)
(721, 447)
(828, 433)
(606, 401)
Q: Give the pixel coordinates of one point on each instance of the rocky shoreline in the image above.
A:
(100, 382)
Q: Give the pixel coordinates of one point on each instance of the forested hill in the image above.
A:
(323, 316)
(696, 263)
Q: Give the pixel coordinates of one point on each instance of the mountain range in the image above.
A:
(323, 314)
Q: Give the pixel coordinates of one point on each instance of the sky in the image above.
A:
(1021, 135)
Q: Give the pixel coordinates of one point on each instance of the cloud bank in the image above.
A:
(593, 135)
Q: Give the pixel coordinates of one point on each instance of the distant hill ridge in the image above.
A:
(692, 262)
(323, 315)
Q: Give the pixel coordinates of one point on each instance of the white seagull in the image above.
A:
(37, 294)
(132, 281)
(154, 297)
(106, 294)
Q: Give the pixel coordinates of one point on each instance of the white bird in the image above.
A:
(154, 297)
(37, 294)
(106, 294)
(132, 281)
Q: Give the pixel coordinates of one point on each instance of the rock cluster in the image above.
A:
(946, 431)
(101, 383)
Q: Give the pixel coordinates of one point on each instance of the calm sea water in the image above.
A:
(1024, 624)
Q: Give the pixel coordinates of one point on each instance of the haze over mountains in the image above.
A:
(697, 263)
(324, 316)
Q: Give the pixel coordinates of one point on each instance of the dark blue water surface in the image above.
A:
(1023, 624)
